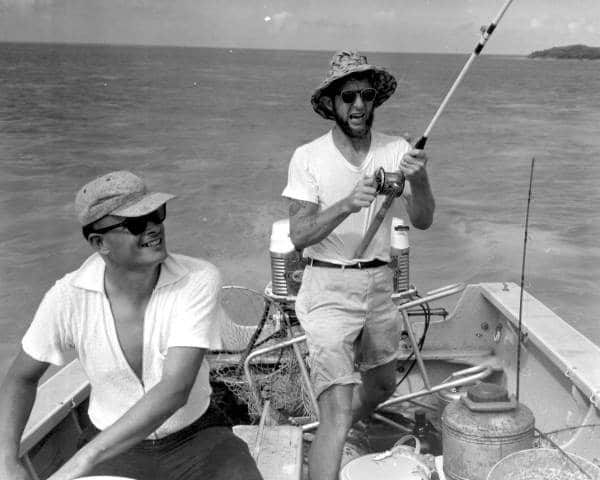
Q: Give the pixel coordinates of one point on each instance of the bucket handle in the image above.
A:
(405, 438)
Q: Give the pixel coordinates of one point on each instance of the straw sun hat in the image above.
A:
(346, 63)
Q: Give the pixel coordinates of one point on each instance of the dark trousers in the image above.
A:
(194, 453)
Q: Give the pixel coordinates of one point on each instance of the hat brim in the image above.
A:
(143, 206)
(383, 81)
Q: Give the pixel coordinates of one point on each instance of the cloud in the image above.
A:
(574, 27)
(280, 19)
(536, 23)
(384, 16)
(23, 5)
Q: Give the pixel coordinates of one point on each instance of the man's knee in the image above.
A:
(335, 407)
(382, 391)
(231, 460)
(380, 385)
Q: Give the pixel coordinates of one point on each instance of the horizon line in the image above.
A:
(232, 48)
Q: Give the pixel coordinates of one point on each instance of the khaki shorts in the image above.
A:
(350, 322)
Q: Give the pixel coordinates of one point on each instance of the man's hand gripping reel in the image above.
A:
(390, 184)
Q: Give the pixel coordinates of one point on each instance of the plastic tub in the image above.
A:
(543, 464)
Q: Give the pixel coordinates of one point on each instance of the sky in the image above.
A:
(444, 26)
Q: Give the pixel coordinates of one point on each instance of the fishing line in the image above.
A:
(398, 187)
(519, 329)
(568, 429)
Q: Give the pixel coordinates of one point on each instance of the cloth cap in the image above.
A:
(117, 193)
(345, 63)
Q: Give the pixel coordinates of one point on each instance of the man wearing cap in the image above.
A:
(344, 303)
(140, 321)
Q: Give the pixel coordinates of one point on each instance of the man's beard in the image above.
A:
(345, 126)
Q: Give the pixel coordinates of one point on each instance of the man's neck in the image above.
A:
(136, 284)
(353, 148)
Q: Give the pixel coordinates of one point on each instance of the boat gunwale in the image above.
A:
(571, 351)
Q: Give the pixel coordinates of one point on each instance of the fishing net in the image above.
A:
(255, 321)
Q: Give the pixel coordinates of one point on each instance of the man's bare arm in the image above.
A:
(17, 394)
(157, 405)
(309, 226)
(418, 197)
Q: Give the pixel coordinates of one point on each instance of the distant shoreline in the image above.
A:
(577, 52)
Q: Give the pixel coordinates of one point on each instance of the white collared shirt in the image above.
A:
(75, 317)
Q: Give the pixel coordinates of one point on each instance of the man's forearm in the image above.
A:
(420, 204)
(162, 401)
(315, 226)
(16, 401)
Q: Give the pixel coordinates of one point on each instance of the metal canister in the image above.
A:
(287, 264)
(481, 428)
(399, 255)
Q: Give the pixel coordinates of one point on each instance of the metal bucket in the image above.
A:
(544, 464)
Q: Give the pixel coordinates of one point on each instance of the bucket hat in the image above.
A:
(118, 193)
(344, 63)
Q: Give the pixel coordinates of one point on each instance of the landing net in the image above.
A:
(254, 321)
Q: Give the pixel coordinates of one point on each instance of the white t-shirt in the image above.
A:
(320, 174)
(75, 317)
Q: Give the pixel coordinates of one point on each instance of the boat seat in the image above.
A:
(279, 453)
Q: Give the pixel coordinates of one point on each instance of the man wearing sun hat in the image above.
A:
(344, 303)
(139, 320)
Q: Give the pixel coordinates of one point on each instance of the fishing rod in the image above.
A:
(520, 326)
(392, 185)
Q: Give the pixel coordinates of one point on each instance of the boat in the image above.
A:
(454, 337)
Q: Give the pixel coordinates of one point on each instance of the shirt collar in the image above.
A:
(90, 275)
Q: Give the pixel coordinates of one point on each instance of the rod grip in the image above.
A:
(372, 230)
(420, 145)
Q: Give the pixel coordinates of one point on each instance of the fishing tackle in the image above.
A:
(388, 182)
(520, 326)
(397, 189)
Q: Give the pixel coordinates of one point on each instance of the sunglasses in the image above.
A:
(367, 95)
(135, 225)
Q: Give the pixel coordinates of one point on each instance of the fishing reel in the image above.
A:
(387, 183)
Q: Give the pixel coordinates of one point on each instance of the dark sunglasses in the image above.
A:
(367, 95)
(135, 225)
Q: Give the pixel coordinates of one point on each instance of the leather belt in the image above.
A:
(360, 265)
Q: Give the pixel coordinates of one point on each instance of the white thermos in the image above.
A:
(286, 262)
(399, 253)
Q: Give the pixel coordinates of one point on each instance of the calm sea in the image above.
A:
(218, 127)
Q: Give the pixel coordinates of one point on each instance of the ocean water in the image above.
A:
(217, 127)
